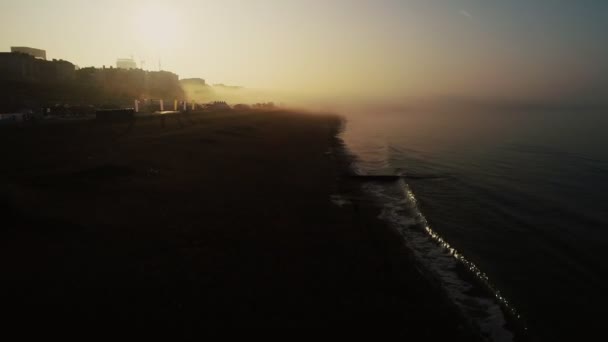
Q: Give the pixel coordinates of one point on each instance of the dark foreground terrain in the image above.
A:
(217, 221)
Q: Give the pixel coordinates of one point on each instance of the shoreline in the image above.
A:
(508, 327)
(402, 255)
(225, 221)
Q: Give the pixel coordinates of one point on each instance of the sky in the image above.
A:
(520, 50)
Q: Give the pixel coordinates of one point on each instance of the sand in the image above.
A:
(221, 220)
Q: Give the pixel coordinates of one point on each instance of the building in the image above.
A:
(193, 82)
(27, 81)
(125, 85)
(36, 53)
(126, 63)
(18, 67)
(21, 67)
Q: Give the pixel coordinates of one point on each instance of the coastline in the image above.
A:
(401, 258)
(224, 221)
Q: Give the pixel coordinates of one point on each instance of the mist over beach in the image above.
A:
(433, 169)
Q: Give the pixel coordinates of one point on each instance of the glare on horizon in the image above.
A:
(510, 49)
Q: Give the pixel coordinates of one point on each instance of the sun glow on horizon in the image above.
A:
(340, 48)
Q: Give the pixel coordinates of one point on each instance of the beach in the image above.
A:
(218, 220)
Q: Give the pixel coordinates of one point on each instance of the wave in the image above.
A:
(486, 309)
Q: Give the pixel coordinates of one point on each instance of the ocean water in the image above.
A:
(515, 201)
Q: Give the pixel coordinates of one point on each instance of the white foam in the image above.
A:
(440, 260)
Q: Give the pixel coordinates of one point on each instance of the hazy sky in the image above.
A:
(513, 49)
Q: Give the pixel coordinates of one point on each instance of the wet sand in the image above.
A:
(214, 221)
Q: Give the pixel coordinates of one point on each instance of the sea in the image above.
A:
(506, 209)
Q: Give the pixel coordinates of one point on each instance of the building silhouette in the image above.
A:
(126, 63)
(36, 53)
(27, 81)
(21, 67)
(124, 85)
